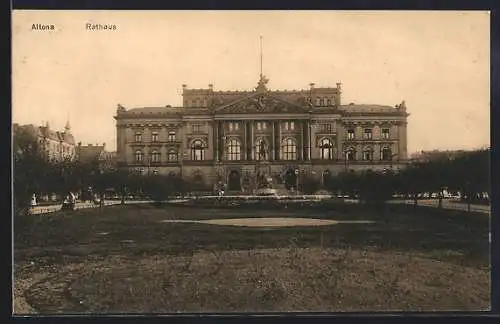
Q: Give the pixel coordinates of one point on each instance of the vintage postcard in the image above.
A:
(250, 161)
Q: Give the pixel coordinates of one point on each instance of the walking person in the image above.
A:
(32, 204)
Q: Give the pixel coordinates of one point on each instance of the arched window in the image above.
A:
(386, 154)
(139, 156)
(172, 156)
(322, 102)
(318, 101)
(155, 156)
(328, 101)
(368, 154)
(326, 149)
(350, 154)
(289, 149)
(261, 150)
(233, 150)
(197, 151)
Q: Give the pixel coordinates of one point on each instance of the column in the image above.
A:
(302, 151)
(272, 143)
(277, 140)
(306, 139)
(252, 127)
(245, 141)
(308, 123)
(216, 140)
(221, 139)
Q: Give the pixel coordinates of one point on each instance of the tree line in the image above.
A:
(467, 173)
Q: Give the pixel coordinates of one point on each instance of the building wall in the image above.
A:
(201, 121)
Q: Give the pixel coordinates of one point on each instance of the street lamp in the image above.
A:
(346, 159)
(296, 181)
(392, 157)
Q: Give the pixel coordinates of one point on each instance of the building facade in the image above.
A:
(238, 136)
(54, 145)
(96, 153)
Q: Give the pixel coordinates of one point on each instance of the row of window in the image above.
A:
(234, 126)
(326, 101)
(198, 102)
(155, 136)
(368, 133)
(367, 154)
(172, 156)
(288, 151)
(327, 128)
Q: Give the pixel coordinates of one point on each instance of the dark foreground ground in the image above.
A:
(124, 259)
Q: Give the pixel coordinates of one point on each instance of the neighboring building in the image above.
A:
(233, 136)
(90, 152)
(55, 145)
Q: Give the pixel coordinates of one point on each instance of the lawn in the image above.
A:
(125, 259)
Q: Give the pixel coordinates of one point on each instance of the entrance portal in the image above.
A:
(234, 182)
(290, 179)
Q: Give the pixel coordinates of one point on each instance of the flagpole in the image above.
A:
(261, 56)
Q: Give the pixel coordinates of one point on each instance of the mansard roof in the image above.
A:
(371, 109)
(150, 111)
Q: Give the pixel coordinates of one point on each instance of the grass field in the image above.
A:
(125, 259)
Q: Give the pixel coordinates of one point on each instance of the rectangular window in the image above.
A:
(350, 134)
(154, 137)
(264, 125)
(368, 133)
(292, 125)
(236, 126)
(259, 126)
(138, 137)
(231, 127)
(196, 128)
(326, 128)
(171, 136)
(385, 133)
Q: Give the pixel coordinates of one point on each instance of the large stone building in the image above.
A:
(235, 136)
(55, 145)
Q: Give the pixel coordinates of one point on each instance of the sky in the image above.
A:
(438, 62)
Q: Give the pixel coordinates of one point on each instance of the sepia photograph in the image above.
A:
(219, 162)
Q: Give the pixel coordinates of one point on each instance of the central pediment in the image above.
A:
(261, 103)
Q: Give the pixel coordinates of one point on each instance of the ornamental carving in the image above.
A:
(320, 138)
(261, 104)
(190, 139)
